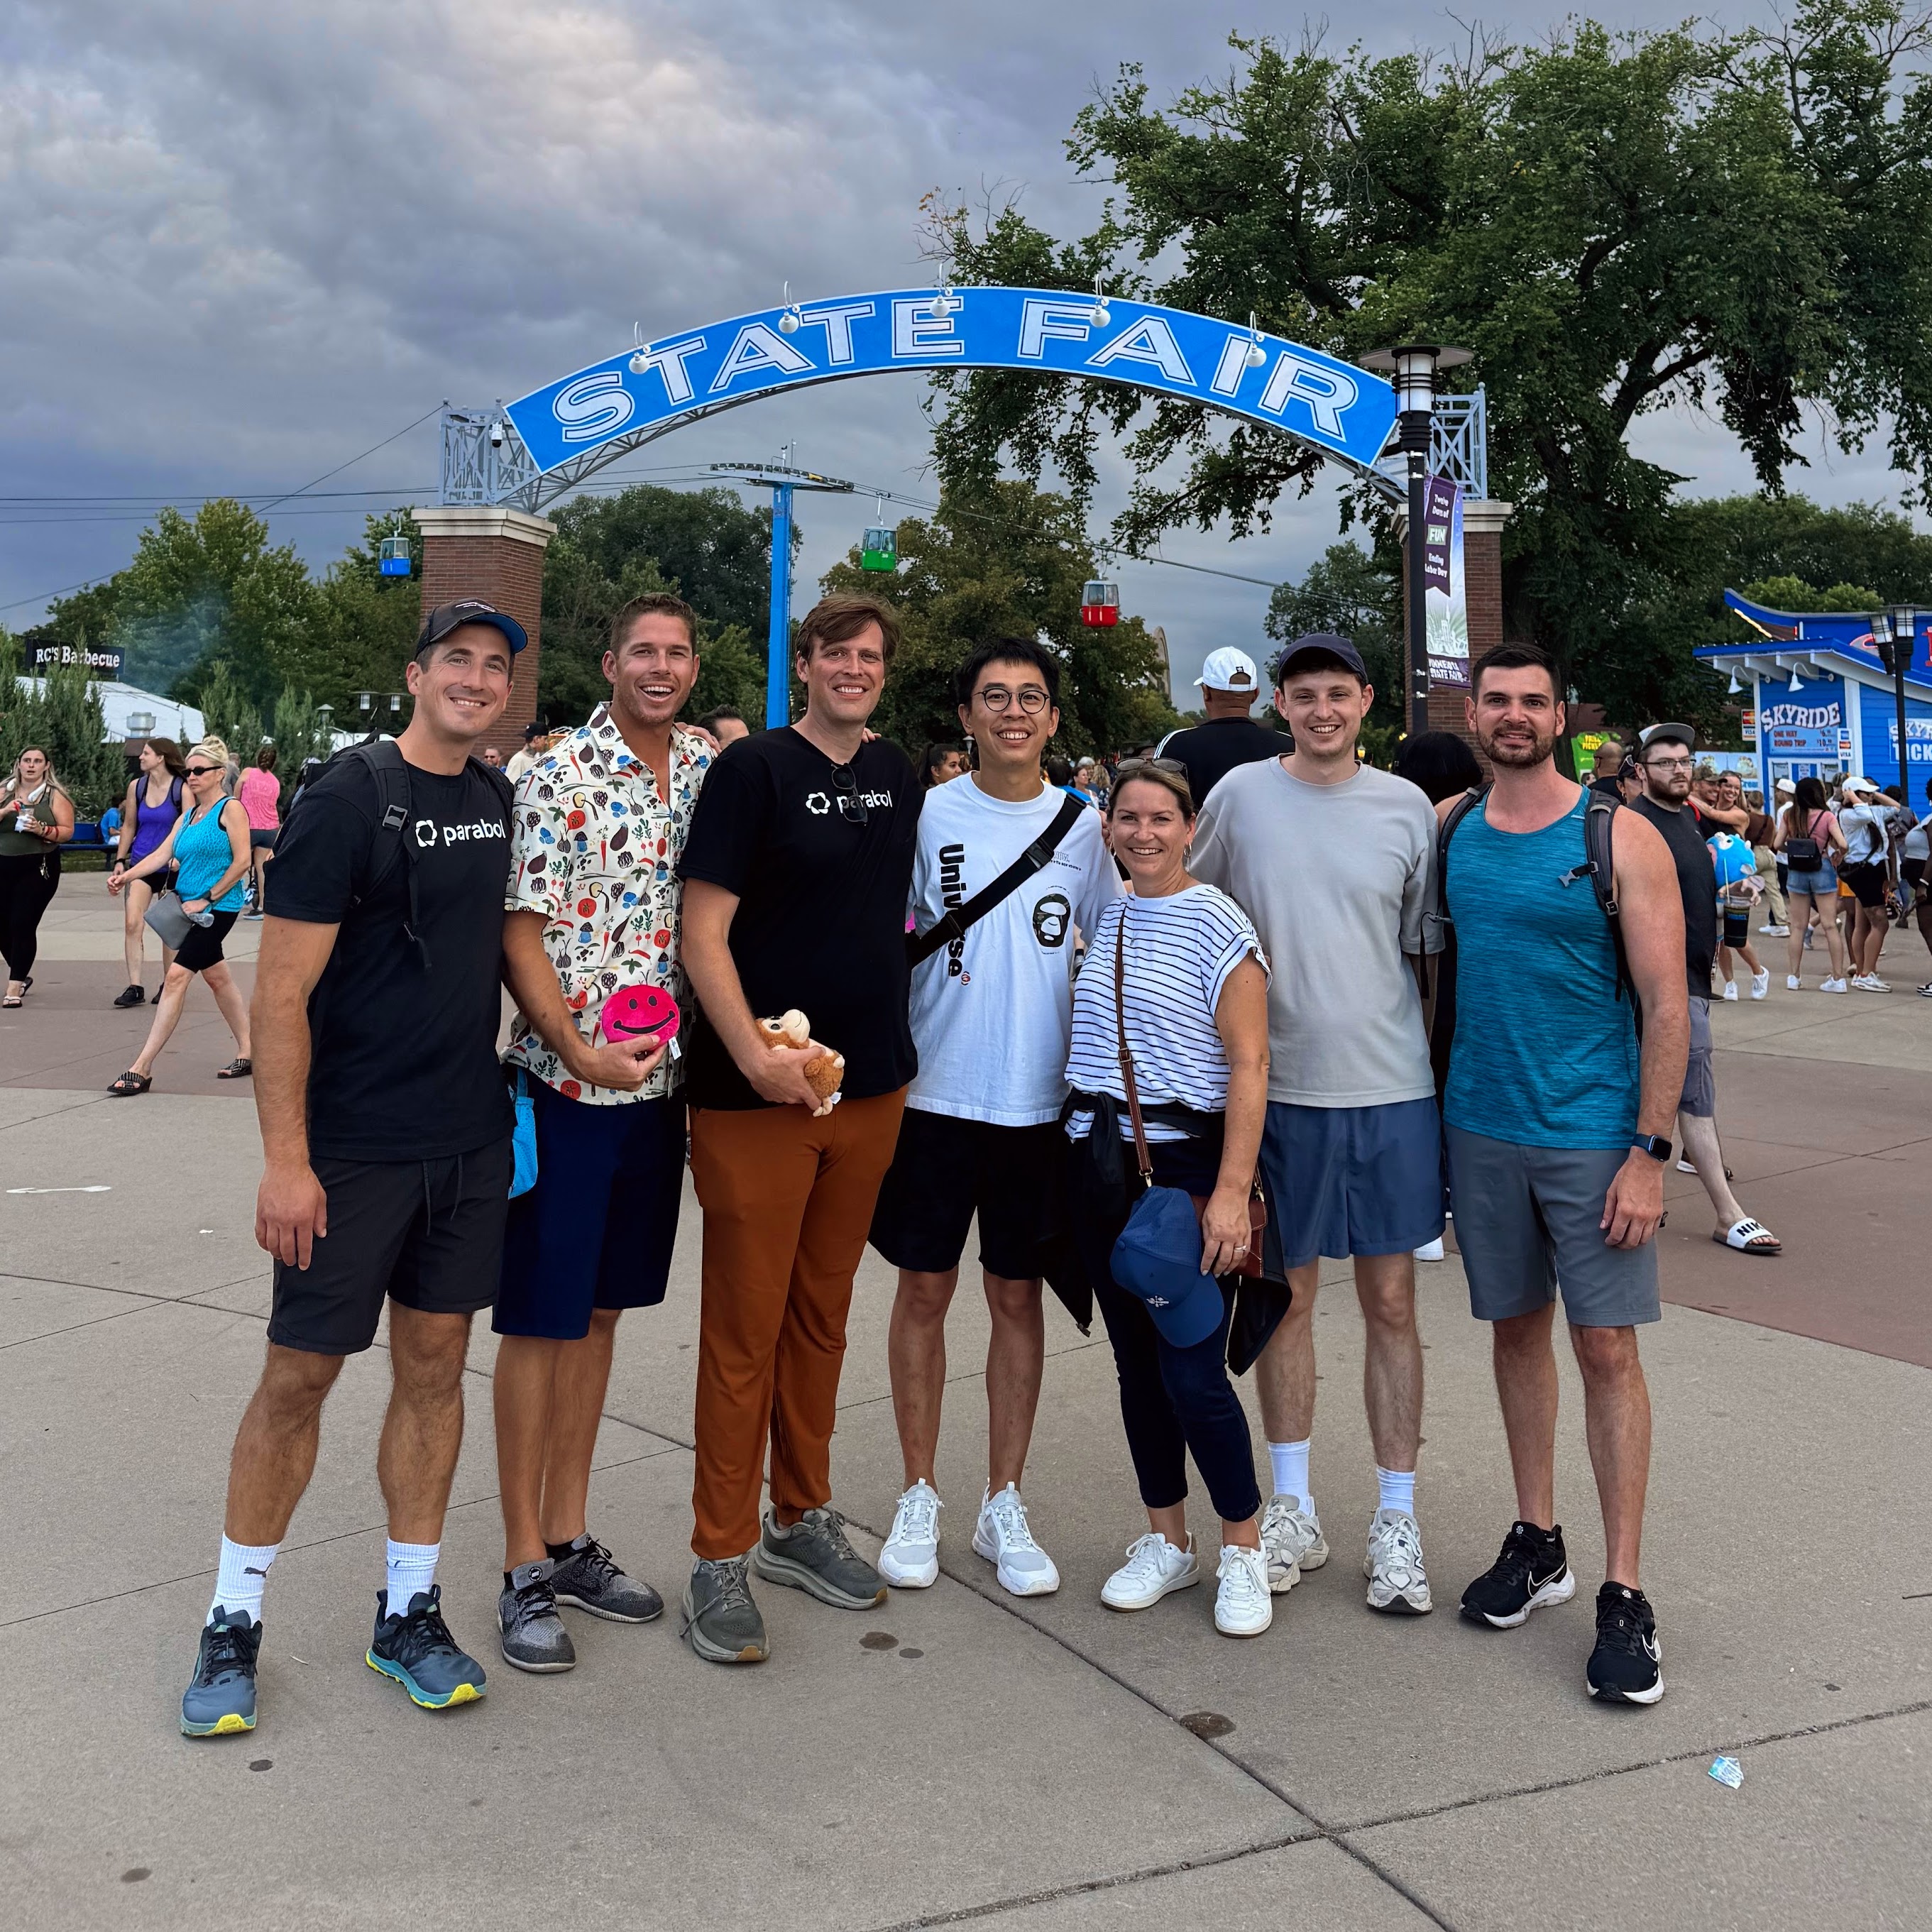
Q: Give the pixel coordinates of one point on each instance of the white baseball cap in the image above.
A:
(1859, 785)
(1228, 670)
(1784, 788)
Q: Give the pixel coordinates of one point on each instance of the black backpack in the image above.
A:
(384, 758)
(1596, 868)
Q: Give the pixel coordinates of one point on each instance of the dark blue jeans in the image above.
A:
(1172, 1400)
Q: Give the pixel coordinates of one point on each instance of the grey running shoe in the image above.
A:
(220, 1699)
(588, 1578)
(1397, 1582)
(721, 1623)
(534, 1637)
(1293, 1541)
(813, 1555)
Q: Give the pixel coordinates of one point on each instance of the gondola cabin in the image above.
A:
(393, 556)
(1100, 603)
(880, 548)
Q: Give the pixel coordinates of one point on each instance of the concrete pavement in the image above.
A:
(959, 1754)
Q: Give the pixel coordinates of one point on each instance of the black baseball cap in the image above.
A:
(1671, 734)
(448, 617)
(1319, 643)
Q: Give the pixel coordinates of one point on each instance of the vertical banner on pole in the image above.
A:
(1447, 606)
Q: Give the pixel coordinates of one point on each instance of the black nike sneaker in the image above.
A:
(1626, 1667)
(1531, 1572)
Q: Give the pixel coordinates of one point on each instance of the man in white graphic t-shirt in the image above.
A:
(992, 1011)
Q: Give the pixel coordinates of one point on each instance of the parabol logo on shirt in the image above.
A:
(427, 829)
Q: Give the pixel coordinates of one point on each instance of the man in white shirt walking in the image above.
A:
(1333, 861)
(992, 1015)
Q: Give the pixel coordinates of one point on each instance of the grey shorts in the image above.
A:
(1700, 1076)
(1528, 1221)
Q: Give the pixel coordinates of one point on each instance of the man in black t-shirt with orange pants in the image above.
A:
(385, 1137)
(797, 871)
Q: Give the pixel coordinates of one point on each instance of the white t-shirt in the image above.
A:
(1864, 827)
(990, 1012)
(1916, 845)
(1180, 950)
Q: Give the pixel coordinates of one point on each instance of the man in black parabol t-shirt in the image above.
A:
(797, 872)
(385, 1135)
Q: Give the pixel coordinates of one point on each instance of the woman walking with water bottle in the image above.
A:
(209, 845)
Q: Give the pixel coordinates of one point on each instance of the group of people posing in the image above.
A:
(1167, 1055)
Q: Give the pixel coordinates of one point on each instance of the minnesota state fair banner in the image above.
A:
(1344, 411)
(1448, 610)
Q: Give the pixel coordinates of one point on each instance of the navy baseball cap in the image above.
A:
(448, 617)
(1157, 1260)
(1319, 644)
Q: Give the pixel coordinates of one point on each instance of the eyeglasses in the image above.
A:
(1669, 764)
(1127, 767)
(199, 771)
(851, 806)
(1031, 698)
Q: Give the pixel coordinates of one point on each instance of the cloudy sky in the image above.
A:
(242, 243)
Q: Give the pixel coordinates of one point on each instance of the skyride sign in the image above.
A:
(1341, 410)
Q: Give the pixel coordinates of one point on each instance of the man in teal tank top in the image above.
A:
(1556, 1124)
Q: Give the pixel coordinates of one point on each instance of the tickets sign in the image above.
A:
(1342, 410)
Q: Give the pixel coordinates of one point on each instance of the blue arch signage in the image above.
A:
(1340, 408)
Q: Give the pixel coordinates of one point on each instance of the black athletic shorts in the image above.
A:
(946, 1170)
(1867, 881)
(202, 948)
(427, 1233)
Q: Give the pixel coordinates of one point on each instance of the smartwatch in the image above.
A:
(1655, 1145)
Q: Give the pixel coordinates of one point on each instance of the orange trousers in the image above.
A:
(787, 1203)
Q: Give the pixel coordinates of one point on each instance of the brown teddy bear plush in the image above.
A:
(792, 1029)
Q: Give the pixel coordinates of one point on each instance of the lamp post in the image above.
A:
(1893, 632)
(1412, 366)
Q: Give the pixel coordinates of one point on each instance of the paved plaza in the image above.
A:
(959, 1755)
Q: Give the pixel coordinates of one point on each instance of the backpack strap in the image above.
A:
(921, 946)
(1599, 817)
(1446, 831)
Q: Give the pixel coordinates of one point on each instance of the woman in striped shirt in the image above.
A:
(1178, 973)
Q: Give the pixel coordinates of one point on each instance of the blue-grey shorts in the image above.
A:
(1700, 1075)
(1353, 1180)
(1529, 1220)
(1821, 882)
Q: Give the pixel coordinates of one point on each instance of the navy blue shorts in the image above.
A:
(1353, 1180)
(598, 1229)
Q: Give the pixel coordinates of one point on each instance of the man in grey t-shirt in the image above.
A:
(1333, 864)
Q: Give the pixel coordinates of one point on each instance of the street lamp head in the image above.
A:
(1904, 622)
(1413, 365)
(1881, 628)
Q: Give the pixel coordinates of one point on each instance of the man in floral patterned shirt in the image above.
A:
(593, 906)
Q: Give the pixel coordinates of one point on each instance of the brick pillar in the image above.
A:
(476, 550)
(1483, 521)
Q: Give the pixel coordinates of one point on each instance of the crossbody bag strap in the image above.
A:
(921, 946)
(1127, 1080)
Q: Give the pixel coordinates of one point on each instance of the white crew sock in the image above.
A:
(1289, 1462)
(1397, 1490)
(411, 1571)
(242, 1577)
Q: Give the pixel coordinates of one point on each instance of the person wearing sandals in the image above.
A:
(147, 814)
(36, 819)
(1170, 1052)
(208, 844)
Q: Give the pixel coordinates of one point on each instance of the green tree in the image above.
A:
(364, 632)
(227, 711)
(1007, 560)
(60, 712)
(1613, 223)
(209, 590)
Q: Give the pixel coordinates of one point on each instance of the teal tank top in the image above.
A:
(1545, 1053)
(202, 851)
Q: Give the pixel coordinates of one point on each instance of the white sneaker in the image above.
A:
(1292, 1541)
(1832, 985)
(1002, 1536)
(1431, 1251)
(1870, 982)
(1154, 1567)
(1397, 1582)
(1730, 989)
(1761, 984)
(1776, 931)
(1793, 982)
(1243, 1606)
(1685, 1164)
(909, 1560)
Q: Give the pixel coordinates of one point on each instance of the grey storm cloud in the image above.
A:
(241, 243)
